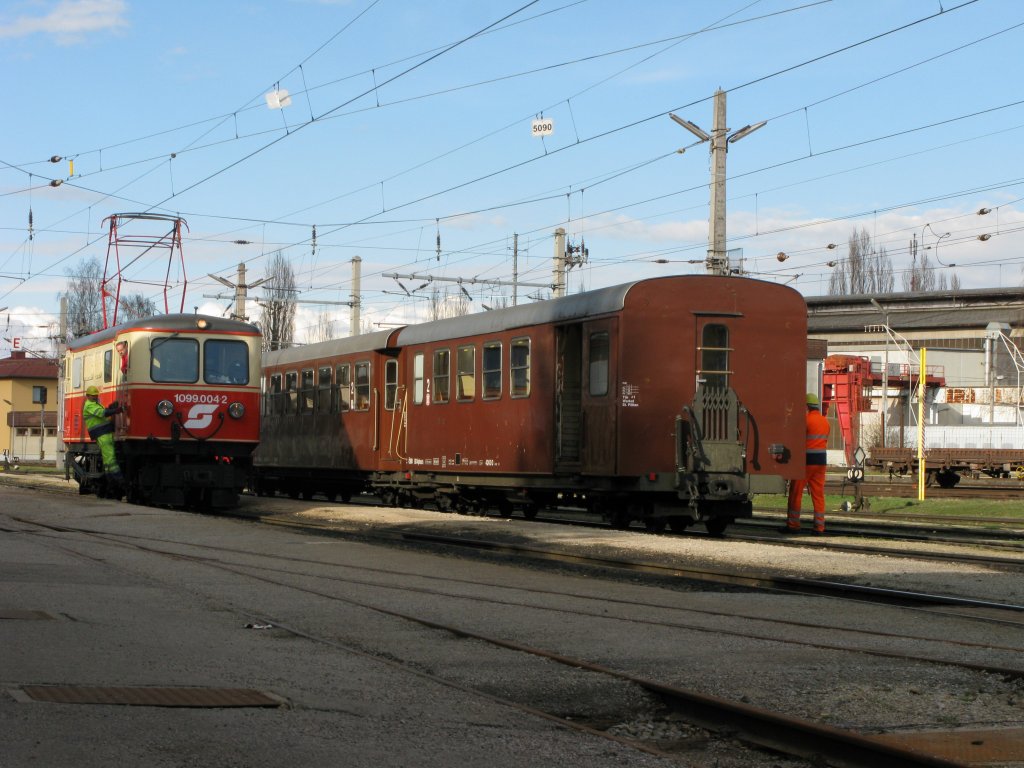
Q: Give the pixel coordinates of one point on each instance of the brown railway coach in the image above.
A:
(670, 400)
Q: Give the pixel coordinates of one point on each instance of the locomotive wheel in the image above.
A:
(716, 525)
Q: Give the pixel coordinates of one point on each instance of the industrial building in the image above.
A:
(973, 367)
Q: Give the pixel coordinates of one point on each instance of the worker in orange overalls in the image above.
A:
(817, 441)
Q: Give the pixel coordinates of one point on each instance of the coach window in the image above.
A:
(174, 360)
(442, 375)
(714, 356)
(92, 366)
(275, 396)
(598, 364)
(108, 357)
(417, 378)
(76, 373)
(466, 374)
(342, 390)
(225, 361)
(362, 388)
(519, 362)
(291, 388)
(491, 368)
(390, 384)
(307, 393)
(323, 391)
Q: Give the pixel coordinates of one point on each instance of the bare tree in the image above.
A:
(324, 330)
(85, 310)
(135, 306)
(866, 269)
(446, 305)
(277, 316)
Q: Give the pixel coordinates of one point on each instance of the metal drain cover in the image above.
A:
(997, 745)
(151, 697)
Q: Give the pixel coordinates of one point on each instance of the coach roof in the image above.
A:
(579, 305)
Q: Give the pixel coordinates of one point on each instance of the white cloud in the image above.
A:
(69, 20)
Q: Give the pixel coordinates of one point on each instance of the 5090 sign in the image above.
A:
(543, 127)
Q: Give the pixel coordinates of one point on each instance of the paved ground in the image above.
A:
(111, 615)
(159, 598)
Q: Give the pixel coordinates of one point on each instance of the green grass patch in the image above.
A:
(35, 469)
(966, 508)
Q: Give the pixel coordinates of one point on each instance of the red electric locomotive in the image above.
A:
(188, 387)
(670, 401)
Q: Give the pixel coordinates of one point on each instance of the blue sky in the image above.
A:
(411, 121)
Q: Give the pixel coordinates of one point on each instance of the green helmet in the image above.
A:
(92, 390)
(813, 401)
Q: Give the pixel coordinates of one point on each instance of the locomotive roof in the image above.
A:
(176, 322)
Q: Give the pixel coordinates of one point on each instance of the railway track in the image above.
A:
(751, 724)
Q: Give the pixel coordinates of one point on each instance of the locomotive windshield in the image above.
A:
(174, 360)
(226, 362)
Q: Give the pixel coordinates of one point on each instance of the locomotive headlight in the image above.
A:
(165, 408)
(236, 410)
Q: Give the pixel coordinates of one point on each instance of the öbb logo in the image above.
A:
(200, 416)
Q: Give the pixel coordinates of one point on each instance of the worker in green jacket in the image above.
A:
(101, 429)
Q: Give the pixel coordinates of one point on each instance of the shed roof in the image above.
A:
(20, 366)
(922, 311)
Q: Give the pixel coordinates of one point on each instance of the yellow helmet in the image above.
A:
(93, 390)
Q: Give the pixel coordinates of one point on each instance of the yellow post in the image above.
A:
(921, 469)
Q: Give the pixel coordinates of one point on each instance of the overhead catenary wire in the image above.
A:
(327, 245)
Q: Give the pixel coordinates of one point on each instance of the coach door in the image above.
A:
(598, 398)
(390, 416)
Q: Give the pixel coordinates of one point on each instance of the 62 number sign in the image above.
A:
(542, 127)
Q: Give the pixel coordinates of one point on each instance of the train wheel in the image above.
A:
(655, 524)
(947, 479)
(505, 507)
(530, 511)
(619, 519)
(716, 525)
(678, 523)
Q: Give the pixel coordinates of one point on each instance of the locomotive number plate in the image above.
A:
(200, 397)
